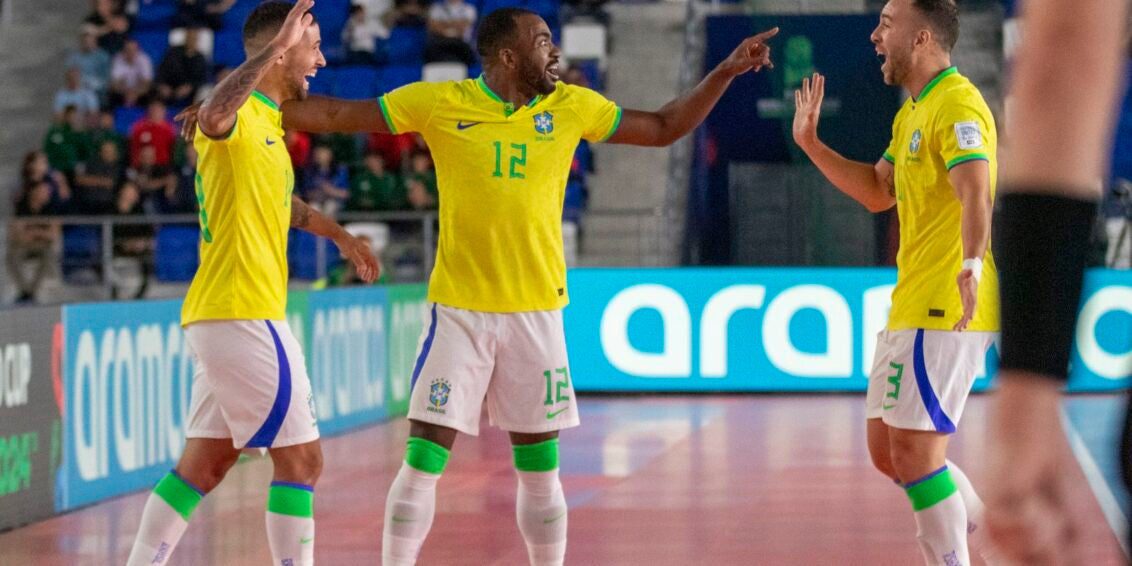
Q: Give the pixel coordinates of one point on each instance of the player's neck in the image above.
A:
(506, 89)
(272, 88)
(925, 74)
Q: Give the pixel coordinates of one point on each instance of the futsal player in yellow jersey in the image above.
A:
(250, 388)
(503, 144)
(939, 171)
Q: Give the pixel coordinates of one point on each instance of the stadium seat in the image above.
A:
(406, 45)
(228, 48)
(177, 253)
(332, 17)
(155, 15)
(302, 254)
(82, 251)
(323, 82)
(125, 117)
(356, 82)
(154, 43)
(440, 72)
(586, 40)
(205, 40)
(395, 76)
(233, 19)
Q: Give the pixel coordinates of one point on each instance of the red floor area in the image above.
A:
(650, 481)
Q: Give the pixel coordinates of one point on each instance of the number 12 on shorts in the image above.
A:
(555, 385)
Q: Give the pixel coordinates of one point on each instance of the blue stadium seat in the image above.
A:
(548, 9)
(406, 45)
(155, 15)
(302, 254)
(154, 43)
(395, 76)
(323, 82)
(82, 250)
(356, 82)
(233, 19)
(125, 117)
(177, 253)
(228, 48)
(332, 17)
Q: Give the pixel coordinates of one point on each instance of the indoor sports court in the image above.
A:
(562, 232)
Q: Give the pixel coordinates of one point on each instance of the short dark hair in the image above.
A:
(943, 16)
(268, 18)
(498, 30)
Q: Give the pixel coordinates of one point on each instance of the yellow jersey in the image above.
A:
(501, 174)
(243, 185)
(947, 124)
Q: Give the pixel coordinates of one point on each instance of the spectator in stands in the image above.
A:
(179, 197)
(32, 240)
(156, 131)
(76, 95)
(326, 182)
(133, 240)
(450, 25)
(373, 188)
(202, 13)
(97, 179)
(103, 130)
(361, 37)
(394, 148)
(131, 75)
(151, 179)
(36, 169)
(220, 74)
(91, 60)
(299, 146)
(109, 23)
(408, 13)
(420, 183)
(183, 71)
(65, 143)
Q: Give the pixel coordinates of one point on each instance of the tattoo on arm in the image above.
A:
(234, 90)
(300, 213)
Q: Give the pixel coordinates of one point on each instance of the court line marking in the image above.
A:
(1113, 514)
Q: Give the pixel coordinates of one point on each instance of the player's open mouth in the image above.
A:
(307, 77)
(552, 71)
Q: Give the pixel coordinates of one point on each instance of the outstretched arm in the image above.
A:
(871, 185)
(217, 115)
(320, 114)
(354, 249)
(677, 118)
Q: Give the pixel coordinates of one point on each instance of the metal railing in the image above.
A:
(106, 224)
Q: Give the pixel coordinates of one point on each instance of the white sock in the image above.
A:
(941, 519)
(164, 520)
(409, 511)
(541, 511)
(290, 523)
(976, 535)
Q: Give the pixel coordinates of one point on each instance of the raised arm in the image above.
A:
(217, 115)
(871, 185)
(682, 115)
(320, 114)
(354, 249)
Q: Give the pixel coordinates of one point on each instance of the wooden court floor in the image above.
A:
(653, 481)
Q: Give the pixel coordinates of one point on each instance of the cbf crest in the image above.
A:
(438, 395)
(917, 137)
(544, 123)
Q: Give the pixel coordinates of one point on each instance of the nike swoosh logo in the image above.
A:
(553, 519)
(550, 416)
(397, 519)
(270, 141)
(462, 126)
(306, 540)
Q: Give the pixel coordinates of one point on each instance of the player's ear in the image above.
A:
(923, 37)
(508, 58)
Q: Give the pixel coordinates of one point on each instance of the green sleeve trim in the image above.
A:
(426, 455)
(292, 501)
(966, 158)
(931, 490)
(181, 496)
(889, 158)
(385, 114)
(613, 129)
(538, 457)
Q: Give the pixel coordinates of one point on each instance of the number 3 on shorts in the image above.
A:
(554, 386)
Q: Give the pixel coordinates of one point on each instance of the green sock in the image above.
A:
(426, 456)
(539, 457)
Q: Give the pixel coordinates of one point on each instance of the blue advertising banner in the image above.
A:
(800, 329)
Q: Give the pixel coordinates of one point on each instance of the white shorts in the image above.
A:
(516, 360)
(921, 378)
(250, 384)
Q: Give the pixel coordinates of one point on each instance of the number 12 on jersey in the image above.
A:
(518, 154)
